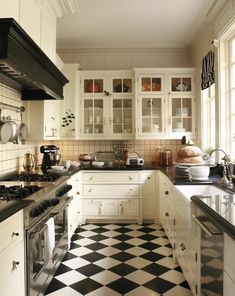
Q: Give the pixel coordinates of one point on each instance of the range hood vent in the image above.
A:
(24, 66)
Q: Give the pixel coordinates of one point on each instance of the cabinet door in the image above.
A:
(149, 195)
(150, 83)
(181, 115)
(129, 208)
(91, 207)
(52, 119)
(151, 120)
(121, 118)
(121, 86)
(109, 207)
(181, 83)
(93, 85)
(12, 281)
(229, 285)
(94, 120)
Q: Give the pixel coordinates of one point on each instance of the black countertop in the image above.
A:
(12, 207)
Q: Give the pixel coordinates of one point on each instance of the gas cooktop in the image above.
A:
(17, 191)
(33, 178)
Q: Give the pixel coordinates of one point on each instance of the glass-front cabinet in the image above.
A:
(181, 83)
(107, 102)
(150, 83)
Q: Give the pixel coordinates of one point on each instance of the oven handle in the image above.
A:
(62, 208)
(204, 228)
(38, 233)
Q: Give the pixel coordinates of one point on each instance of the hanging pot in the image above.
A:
(21, 133)
(5, 130)
(13, 126)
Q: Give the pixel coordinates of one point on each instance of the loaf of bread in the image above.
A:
(194, 160)
(189, 151)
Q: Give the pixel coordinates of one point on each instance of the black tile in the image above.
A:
(122, 269)
(98, 237)
(122, 256)
(147, 237)
(146, 229)
(76, 237)
(69, 256)
(159, 285)
(80, 229)
(85, 286)
(93, 256)
(99, 230)
(149, 246)
(185, 285)
(54, 286)
(89, 269)
(62, 269)
(122, 246)
(123, 230)
(178, 268)
(123, 237)
(96, 246)
(155, 269)
(122, 286)
(151, 256)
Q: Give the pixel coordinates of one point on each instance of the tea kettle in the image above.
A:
(29, 162)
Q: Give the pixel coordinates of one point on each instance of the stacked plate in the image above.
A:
(182, 172)
(181, 111)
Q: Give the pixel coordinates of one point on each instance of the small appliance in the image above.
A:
(48, 160)
(134, 160)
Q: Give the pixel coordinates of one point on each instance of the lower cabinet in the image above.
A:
(12, 279)
(229, 266)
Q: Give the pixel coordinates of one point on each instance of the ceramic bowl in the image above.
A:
(199, 172)
(98, 164)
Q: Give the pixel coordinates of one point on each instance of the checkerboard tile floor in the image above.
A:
(110, 260)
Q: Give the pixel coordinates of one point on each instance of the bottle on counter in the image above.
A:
(165, 157)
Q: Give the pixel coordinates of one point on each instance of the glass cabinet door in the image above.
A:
(120, 85)
(93, 116)
(149, 84)
(181, 84)
(151, 116)
(94, 86)
(182, 114)
(122, 113)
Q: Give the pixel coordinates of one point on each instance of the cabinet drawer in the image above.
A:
(100, 207)
(111, 177)
(111, 190)
(11, 230)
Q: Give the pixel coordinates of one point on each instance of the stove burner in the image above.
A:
(33, 178)
(17, 192)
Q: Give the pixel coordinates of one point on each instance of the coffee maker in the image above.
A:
(48, 158)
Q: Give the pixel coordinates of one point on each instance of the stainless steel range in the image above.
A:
(45, 222)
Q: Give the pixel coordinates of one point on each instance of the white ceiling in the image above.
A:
(133, 23)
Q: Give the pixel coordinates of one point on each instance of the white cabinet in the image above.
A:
(70, 104)
(165, 102)
(111, 195)
(229, 265)
(107, 103)
(75, 206)
(12, 280)
(149, 195)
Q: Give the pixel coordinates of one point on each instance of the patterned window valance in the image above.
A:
(208, 70)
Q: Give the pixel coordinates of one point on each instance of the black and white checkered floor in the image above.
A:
(109, 260)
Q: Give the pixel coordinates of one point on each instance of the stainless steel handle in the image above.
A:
(38, 233)
(204, 228)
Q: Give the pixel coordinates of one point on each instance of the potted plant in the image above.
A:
(67, 121)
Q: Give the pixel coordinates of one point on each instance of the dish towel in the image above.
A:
(50, 236)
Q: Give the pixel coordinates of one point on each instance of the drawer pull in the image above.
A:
(90, 190)
(91, 178)
(15, 264)
(166, 192)
(130, 178)
(78, 193)
(130, 189)
(167, 214)
(15, 234)
(183, 247)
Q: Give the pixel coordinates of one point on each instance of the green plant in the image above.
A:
(68, 118)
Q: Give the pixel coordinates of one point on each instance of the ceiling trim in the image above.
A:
(62, 7)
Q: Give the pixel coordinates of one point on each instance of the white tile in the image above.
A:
(163, 251)
(102, 291)
(111, 226)
(167, 262)
(76, 263)
(87, 233)
(135, 241)
(105, 277)
(111, 233)
(158, 233)
(138, 262)
(80, 251)
(110, 241)
(140, 277)
(178, 291)
(89, 226)
(142, 291)
(109, 251)
(155, 226)
(65, 291)
(134, 226)
(137, 251)
(107, 262)
(84, 241)
(135, 233)
(173, 276)
(160, 241)
(70, 277)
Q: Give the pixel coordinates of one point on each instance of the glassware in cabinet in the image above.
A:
(93, 116)
(151, 115)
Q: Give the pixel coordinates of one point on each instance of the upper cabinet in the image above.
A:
(165, 103)
(107, 101)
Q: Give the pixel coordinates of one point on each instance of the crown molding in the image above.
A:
(62, 7)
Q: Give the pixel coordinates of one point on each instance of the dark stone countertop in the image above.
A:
(12, 207)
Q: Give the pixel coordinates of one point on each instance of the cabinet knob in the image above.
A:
(90, 178)
(167, 214)
(183, 247)
(78, 192)
(15, 264)
(130, 178)
(148, 178)
(131, 190)
(90, 190)
(15, 234)
(167, 192)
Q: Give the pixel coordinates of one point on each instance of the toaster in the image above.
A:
(134, 159)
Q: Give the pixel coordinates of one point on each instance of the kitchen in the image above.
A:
(123, 62)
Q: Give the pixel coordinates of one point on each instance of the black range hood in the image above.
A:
(24, 66)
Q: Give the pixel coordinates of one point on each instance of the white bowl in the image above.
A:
(199, 172)
(57, 167)
(98, 164)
